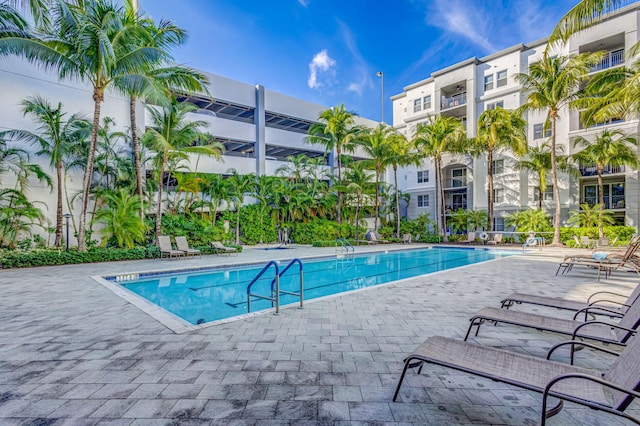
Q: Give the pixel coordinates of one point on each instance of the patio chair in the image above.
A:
(471, 238)
(586, 241)
(182, 244)
(607, 263)
(611, 391)
(598, 330)
(221, 249)
(406, 239)
(497, 239)
(164, 242)
(595, 300)
(374, 238)
(577, 241)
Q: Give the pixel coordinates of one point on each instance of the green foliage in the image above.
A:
(199, 232)
(589, 216)
(24, 259)
(622, 233)
(120, 217)
(256, 225)
(320, 230)
(529, 220)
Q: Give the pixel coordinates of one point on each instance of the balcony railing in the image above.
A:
(457, 182)
(453, 101)
(614, 202)
(592, 170)
(612, 59)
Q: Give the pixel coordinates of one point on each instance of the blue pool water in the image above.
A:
(201, 296)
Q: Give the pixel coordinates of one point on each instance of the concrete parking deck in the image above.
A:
(74, 353)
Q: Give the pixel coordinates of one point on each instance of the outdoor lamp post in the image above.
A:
(381, 75)
(67, 216)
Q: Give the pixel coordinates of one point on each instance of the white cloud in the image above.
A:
(304, 3)
(321, 63)
(355, 87)
(360, 69)
(464, 19)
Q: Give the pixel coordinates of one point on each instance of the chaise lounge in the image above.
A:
(223, 249)
(164, 243)
(182, 244)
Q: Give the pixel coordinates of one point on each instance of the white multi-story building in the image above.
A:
(466, 89)
(258, 127)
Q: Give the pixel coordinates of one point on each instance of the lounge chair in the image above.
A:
(182, 244)
(406, 239)
(374, 238)
(497, 239)
(223, 249)
(608, 262)
(471, 238)
(611, 391)
(586, 241)
(596, 300)
(602, 331)
(164, 242)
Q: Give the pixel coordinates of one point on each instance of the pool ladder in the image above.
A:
(275, 285)
(345, 246)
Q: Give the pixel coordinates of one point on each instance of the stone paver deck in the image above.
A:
(74, 353)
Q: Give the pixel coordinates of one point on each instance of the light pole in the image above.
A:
(381, 75)
(67, 216)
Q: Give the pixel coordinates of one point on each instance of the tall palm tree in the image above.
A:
(498, 130)
(377, 144)
(216, 190)
(438, 136)
(582, 16)
(55, 136)
(553, 83)
(359, 183)
(611, 147)
(336, 129)
(172, 134)
(402, 153)
(241, 185)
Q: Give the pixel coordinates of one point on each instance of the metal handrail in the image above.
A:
(276, 282)
(257, 277)
(346, 246)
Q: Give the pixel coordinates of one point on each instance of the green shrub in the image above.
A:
(199, 232)
(622, 233)
(257, 226)
(321, 230)
(41, 257)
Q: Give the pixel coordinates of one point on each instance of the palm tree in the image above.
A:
(498, 130)
(358, 179)
(172, 134)
(120, 218)
(336, 129)
(582, 16)
(240, 186)
(217, 190)
(434, 138)
(552, 84)
(611, 147)
(528, 220)
(17, 216)
(377, 144)
(591, 216)
(402, 153)
(55, 137)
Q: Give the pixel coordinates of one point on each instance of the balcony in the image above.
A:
(592, 170)
(453, 101)
(455, 183)
(613, 202)
(612, 59)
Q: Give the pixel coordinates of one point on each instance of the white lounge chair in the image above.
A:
(183, 245)
(164, 243)
(223, 249)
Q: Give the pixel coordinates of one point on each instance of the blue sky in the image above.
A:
(329, 51)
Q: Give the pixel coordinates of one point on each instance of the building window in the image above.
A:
(423, 200)
(501, 77)
(426, 102)
(539, 132)
(614, 197)
(498, 224)
(488, 82)
(498, 167)
(423, 176)
(494, 105)
(547, 195)
(498, 195)
(417, 105)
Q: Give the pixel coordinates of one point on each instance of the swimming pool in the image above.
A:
(205, 295)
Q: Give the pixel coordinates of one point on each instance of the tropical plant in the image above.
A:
(215, 191)
(611, 147)
(591, 216)
(439, 135)
(529, 220)
(241, 185)
(478, 219)
(17, 216)
(120, 218)
(359, 183)
(402, 153)
(498, 130)
(336, 129)
(55, 135)
(553, 83)
(459, 221)
(582, 16)
(171, 136)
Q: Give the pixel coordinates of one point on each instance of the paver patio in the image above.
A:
(74, 353)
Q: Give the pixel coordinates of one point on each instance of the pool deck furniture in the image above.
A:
(602, 331)
(406, 239)
(608, 264)
(164, 242)
(611, 391)
(497, 239)
(471, 238)
(375, 238)
(183, 244)
(595, 300)
(221, 249)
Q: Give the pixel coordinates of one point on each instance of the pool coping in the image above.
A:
(179, 325)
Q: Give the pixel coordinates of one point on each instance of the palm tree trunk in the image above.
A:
(58, 240)
(490, 190)
(540, 192)
(357, 218)
(377, 206)
(338, 209)
(159, 199)
(554, 177)
(445, 238)
(395, 183)
(600, 200)
(135, 147)
(238, 224)
(98, 97)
